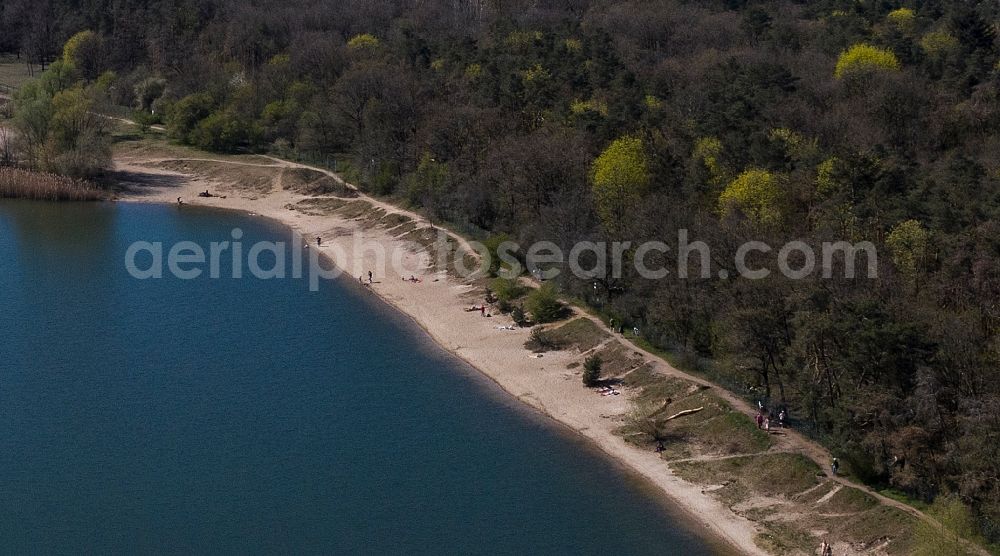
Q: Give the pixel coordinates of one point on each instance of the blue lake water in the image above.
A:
(236, 416)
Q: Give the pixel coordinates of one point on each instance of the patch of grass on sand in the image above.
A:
(541, 341)
(714, 429)
(813, 495)
(313, 182)
(873, 527)
(396, 219)
(731, 433)
(354, 209)
(321, 206)
(618, 359)
(580, 333)
(404, 228)
(656, 387)
(783, 538)
(373, 217)
(848, 500)
(249, 179)
(780, 474)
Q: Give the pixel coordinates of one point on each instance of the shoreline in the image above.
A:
(436, 306)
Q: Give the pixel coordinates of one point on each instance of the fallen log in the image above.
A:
(683, 413)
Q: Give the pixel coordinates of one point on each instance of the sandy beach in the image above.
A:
(439, 303)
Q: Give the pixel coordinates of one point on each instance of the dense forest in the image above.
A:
(569, 120)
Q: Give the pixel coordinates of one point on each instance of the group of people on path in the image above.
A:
(765, 417)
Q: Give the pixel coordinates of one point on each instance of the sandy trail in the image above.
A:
(438, 304)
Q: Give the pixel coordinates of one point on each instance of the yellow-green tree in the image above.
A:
(908, 241)
(938, 44)
(364, 41)
(707, 150)
(83, 52)
(827, 183)
(56, 117)
(903, 18)
(757, 194)
(862, 58)
(795, 144)
(620, 177)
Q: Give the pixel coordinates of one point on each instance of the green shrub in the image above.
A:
(544, 305)
(428, 183)
(145, 119)
(507, 290)
(223, 131)
(148, 91)
(540, 340)
(592, 370)
(492, 244)
(186, 113)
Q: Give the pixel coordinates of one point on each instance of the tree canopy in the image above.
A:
(865, 57)
(588, 120)
(621, 177)
(757, 193)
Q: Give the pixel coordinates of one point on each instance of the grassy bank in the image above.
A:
(16, 183)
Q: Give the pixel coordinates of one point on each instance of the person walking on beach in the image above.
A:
(319, 240)
(369, 277)
(482, 310)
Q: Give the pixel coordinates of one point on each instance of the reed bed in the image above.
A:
(17, 183)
